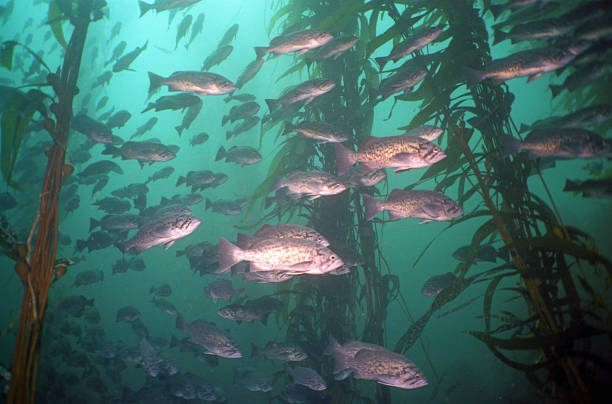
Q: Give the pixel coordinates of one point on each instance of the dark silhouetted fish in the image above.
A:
(126, 60)
(434, 285)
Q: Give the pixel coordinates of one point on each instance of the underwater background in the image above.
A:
(89, 358)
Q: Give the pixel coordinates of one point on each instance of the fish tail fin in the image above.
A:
(112, 150)
(555, 89)
(499, 36)
(180, 321)
(228, 98)
(81, 244)
(570, 186)
(261, 51)
(254, 350)
(382, 61)
(208, 204)
(228, 135)
(289, 127)
(333, 345)
(121, 245)
(344, 158)
(372, 206)
(220, 153)
(152, 290)
(93, 223)
(510, 145)
(224, 120)
(144, 7)
(523, 128)
(272, 103)
(227, 255)
(155, 82)
(473, 76)
(180, 180)
(268, 201)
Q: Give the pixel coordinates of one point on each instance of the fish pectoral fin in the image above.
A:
(432, 210)
(168, 245)
(571, 147)
(401, 157)
(533, 77)
(302, 51)
(425, 221)
(301, 267)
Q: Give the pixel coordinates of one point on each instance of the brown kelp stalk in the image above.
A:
(36, 271)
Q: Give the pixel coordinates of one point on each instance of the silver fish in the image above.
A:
(417, 40)
(201, 83)
(306, 377)
(560, 143)
(300, 42)
(403, 81)
(282, 351)
(283, 230)
(427, 205)
(165, 230)
(304, 92)
(312, 184)
(320, 131)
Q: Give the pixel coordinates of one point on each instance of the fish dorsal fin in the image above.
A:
(397, 193)
(367, 141)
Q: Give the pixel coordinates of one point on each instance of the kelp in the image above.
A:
(35, 263)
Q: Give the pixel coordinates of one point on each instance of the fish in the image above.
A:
(196, 29)
(217, 57)
(591, 188)
(117, 52)
(282, 230)
(100, 184)
(486, 253)
(305, 92)
(426, 205)
(403, 81)
(115, 222)
(416, 40)
(243, 155)
(582, 77)
(200, 138)
(103, 79)
(295, 393)
(533, 63)
(112, 205)
(374, 362)
(299, 42)
(229, 35)
(164, 230)
(334, 48)
(595, 28)
(226, 207)
(97, 240)
(585, 117)
(313, 184)
(80, 157)
(355, 177)
(282, 351)
(160, 174)
(292, 255)
(401, 152)
(241, 111)
(498, 9)
(320, 131)
(118, 119)
(101, 103)
(240, 97)
(101, 167)
(115, 30)
(165, 306)
(74, 305)
(128, 314)
(182, 200)
(214, 340)
(246, 125)
(182, 29)
(190, 116)
(248, 73)
(88, 277)
(149, 358)
(196, 179)
(593, 168)
(165, 5)
(147, 126)
(143, 152)
(533, 30)
(559, 143)
(126, 60)
(94, 130)
(201, 83)
(131, 191)
(306, 377)
(240, 313)
(435, 284)
(221, 289)
(252, 379)
(172, 102)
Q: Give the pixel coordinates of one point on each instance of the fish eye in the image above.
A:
(436, 149)
(332, 257)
